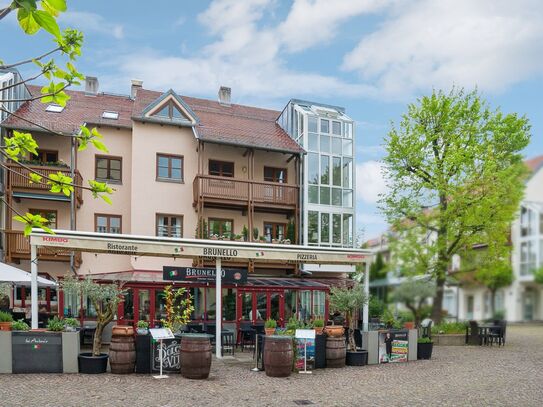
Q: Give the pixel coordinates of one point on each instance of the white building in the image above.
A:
(327, 175)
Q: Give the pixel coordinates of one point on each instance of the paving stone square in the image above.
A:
(455, 376)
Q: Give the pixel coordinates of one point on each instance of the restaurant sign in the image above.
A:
(204, 274)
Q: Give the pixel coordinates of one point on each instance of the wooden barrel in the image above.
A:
(336, 351)
(122, 354)
(195, 352)
(278, 355)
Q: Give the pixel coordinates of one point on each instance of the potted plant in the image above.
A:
(269, 326)
(256, 232)
(348, 301)
(105, 299)
(262, 239)
(245, 233)
(142, 327)
(214, 237)
(5, 321)
(71, 324)
(20, 325)
(318, 324)
(55, 324)
(424, 348)
(238, 238)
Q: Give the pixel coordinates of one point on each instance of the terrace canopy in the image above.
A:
(13, 275)
(190, 248)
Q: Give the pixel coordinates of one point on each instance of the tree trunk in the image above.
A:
(352, 343)
(97, 342)
(438, 300)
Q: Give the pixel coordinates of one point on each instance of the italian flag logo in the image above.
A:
(36, 346)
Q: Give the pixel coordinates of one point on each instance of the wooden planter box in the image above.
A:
(449, 339)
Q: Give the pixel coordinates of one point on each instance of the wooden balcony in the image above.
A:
(18, 179)
(18, 248)
(237, 192)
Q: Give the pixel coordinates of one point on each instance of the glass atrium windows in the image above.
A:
(330, 229)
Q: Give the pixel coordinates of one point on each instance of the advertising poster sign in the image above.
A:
(305, 337)
(393, 346)
(171, 361)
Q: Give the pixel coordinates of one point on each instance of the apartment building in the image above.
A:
(180, 167)
(523, 299)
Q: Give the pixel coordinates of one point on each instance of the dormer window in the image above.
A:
(110, 115)
(170, 111)
(54, 108)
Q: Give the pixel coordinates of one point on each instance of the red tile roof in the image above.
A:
(80, 109)
(240, 125)
(235, 124)
(534, 163)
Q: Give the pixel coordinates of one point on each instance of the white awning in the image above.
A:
(10, 274)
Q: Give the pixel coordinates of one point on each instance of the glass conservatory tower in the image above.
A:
(327, 174)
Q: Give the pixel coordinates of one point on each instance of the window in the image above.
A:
(46, 156)
(221, 168)
(50, 215)
(336, 196)
(319, 300)
(313, 227)
(313, 168)
(169, 167)
(312, 124)
(325, 227)
(220, 227)
(169, 225)
(325, 144)
(347, 147)
(337, 145)
(170, 111)
(336, 228)
(336, 128)
(107, 223)
(347, 172)
(110, 115)
(108, 168)
(274, 231)
(325, 126)
(313, 142)
(325, 169)
(325, 195)
(347, 230)
(275, 174)
(336, 171)
(348, 130)
(313, 193)
(54, 108)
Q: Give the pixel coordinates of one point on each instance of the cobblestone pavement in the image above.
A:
(456, 376)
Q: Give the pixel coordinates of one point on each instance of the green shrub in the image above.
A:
(449, 328)
(424, 340)
(318, 323)
(376, 307)
(406, 316)
(270, 323)
(5, 317)
(499, 314)
(72, 322)
(143, 324)
(20, 325)
(55, 324)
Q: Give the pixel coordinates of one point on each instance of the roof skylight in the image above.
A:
(110, 115)
(54, 108)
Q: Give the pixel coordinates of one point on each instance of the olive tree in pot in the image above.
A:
(348, 301)
(104, 298)
(414, 293)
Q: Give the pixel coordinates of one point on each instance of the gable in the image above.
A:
(170, 108)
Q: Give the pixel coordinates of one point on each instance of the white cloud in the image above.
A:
(369, 181)
(311, 22)
(243, 56)
(371, 151)
(92, 22)
(424, 43)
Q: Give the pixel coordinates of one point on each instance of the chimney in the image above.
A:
(224, 95)
(91, 85)
(136, 84)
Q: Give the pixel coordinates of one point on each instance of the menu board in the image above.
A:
(36, 352)
(171, 362)
(393, 346)
(300, 348)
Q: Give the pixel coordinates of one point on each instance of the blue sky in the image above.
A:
(370, 56)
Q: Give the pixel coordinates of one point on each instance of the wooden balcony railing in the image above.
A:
(244, 191)
(18, 248)
(18, 179)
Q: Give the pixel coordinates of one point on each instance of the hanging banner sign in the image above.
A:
(203, 274)
(194, 248)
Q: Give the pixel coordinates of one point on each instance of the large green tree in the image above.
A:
(455, 178)
(36, 16)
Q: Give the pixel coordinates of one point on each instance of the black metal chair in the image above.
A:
(472, 334)
(246, 335)
(497, 334)
(227, 342)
